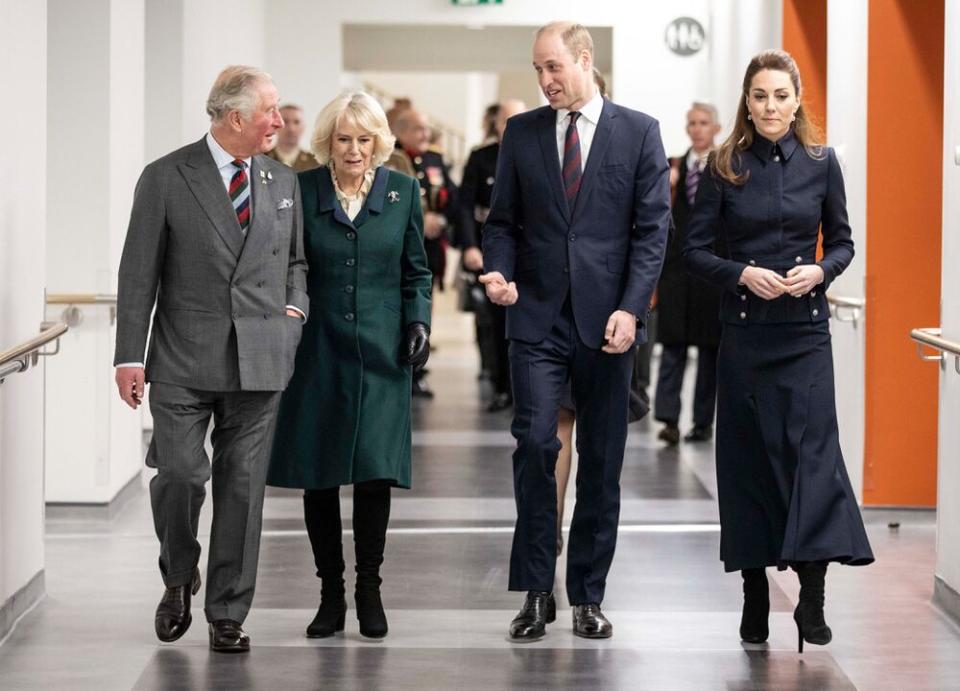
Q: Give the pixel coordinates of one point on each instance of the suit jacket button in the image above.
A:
(348, 316)
(815, 312)
(566, 269)
(572, 237)
(752, 263)
(275, 251)
(266, 316)
(348, 289)
(813, 293)
(236, 315)
(351, 235)
(743, 315)
(259, 284)
(743, 298)
(350, 262)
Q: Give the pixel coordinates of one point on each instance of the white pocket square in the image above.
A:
(284, 204)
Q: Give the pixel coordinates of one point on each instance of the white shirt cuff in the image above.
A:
(130, 364)
(299, 311)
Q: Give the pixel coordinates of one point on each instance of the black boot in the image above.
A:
(371, 513)
(808, 615)
(756, 606)
(321, 511)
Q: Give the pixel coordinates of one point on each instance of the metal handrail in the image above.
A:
(838, 303)
(932, 337)
(81, 299)
(22, 357)
(73, 315)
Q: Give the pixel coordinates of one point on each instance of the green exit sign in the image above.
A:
(477, 2)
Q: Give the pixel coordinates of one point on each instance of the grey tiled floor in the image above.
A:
(674, 611)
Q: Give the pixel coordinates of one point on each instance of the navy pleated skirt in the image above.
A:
(783, 488)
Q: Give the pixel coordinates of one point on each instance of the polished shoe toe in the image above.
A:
(589, 622)
(228, 636)
(173, 616)
(530, 624)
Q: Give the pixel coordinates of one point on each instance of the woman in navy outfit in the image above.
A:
(785, 498)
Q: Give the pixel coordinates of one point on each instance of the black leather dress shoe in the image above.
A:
(173, 616)
(501, 401)
(670, 434)
(700, 433)
(589, 622)
(420, 388)
(227, 636)
(530, 624)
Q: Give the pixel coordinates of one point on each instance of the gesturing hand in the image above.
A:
(802, 279)
(472, 259)
(620, 333)
(130, 384)
(498, 290)
(763, 282)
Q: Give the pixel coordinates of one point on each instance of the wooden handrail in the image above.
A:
(932, 337)
(81, 299)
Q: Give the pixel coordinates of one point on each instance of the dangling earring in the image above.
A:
(749, 117)
(793, 117)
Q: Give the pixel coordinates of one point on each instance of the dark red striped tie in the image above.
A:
(571, 161)
(240, 195)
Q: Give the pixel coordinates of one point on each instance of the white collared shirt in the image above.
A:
(694, 157)
(224, 162)
(586, 127)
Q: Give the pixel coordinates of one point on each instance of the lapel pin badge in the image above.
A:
(265, 176)
(393, 196)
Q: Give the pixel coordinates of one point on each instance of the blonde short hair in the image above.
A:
(361, 110)
(236, 89)
(575, 36)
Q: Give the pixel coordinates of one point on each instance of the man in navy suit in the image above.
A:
(573, 246)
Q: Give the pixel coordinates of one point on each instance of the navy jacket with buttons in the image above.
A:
(606, 252)
(771, 221)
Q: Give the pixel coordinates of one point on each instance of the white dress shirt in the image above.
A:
(586, 127)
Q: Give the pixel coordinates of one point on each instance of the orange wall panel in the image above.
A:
(904, 185)
(805, 38)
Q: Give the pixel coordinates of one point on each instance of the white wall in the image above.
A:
(304, 46)
(846, 115)
(93, 441)
(23, 33)
(948, 485)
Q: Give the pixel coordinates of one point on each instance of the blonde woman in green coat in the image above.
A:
(345, 417)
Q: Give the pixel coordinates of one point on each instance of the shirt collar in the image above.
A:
(693, 157)
(765, 149)
(591, 110)
(220, 155)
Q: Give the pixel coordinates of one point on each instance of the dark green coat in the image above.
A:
(345, 416)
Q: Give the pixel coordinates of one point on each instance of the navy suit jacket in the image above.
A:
(607, 251)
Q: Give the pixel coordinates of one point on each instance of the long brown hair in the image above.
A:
(725, 163)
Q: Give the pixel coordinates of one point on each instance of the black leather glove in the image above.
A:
(418, 345)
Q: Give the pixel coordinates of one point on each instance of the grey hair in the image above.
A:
(707, 108)
(235, 89)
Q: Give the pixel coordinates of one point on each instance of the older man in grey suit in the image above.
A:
(215, 243)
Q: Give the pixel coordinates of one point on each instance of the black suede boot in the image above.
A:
(808, 615)
(321, 511)
(756, 606)
(371, 513)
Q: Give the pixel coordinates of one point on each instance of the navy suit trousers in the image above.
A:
(601, 388)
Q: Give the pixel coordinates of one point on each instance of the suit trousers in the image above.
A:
(600, 385)
(673, 364)
(244, 423)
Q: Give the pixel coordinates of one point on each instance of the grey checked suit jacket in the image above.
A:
(220, 322)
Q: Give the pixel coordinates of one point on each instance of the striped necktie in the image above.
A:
(572, 167)
(240, 195)
(693, 181)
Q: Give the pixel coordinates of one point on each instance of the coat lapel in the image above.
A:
(374, 202)
(327, 199)
(261, 228)
(606, 127)
(548, 146)
(204, 181)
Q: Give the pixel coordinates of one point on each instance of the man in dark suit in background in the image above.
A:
(688, 309)
(215, 242)
(573, 246)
